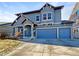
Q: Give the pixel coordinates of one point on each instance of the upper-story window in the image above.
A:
(49, 15)
(44, 16)
(37, 18)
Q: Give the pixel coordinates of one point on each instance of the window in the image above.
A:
(44, 16)
(49, 15)
(37, 18)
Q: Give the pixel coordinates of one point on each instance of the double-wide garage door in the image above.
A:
(63, 33)
(47, 33)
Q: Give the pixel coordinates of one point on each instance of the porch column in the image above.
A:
(23, 31)
(32, 35)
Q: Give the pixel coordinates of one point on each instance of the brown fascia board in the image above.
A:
(36, 11)
(59, 7)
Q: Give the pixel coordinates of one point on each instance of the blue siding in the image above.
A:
(47, 33)
(64, 33)
(47, 10)
(57, 15)
(32, 16)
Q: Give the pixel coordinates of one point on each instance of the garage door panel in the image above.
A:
(47, 33)
(64, 33)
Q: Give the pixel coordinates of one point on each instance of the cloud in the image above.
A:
(7, 10)
(7, 17)
(67, 10)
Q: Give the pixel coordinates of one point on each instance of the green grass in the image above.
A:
(8, 45)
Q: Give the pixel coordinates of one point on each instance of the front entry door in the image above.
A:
(27, 31)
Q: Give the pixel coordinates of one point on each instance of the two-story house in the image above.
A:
(44, 23)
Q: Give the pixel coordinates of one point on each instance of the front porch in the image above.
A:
(27, 32)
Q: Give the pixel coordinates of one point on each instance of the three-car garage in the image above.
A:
(53, 33)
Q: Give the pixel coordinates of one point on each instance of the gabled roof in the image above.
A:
(15, 20)
(26, 19)
(35, 11)
(23, 21)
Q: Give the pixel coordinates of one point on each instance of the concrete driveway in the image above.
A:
(35, 49)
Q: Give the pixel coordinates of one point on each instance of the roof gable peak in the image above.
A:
(46, 4)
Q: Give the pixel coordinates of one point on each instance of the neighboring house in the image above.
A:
(75, 17)
(6, 28)
(44, 23)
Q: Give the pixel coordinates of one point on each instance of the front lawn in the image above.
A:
(8, 45)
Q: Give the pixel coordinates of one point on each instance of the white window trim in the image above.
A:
(42, 16)
(46, 16)
(51, 16)
(39, 18)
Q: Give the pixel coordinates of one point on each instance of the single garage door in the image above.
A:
(47, 33)
(64, 33)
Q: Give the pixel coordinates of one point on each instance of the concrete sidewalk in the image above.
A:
(34, 49)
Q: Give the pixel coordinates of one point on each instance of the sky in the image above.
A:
(9, 9)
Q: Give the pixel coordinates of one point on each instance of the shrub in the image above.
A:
(13, 38)
(3, 35)
(17, 34)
